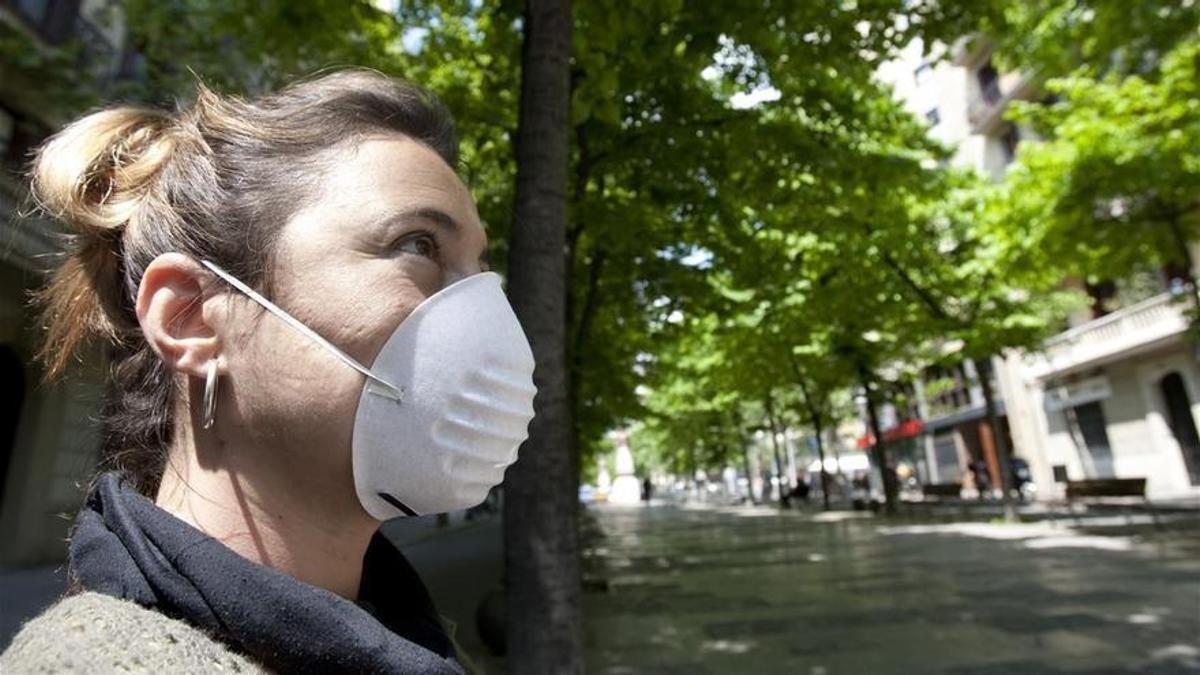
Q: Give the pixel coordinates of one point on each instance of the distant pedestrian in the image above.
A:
(802, 490)
(647, 489)
(981, 476)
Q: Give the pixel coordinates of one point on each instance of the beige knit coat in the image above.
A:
(95, 633)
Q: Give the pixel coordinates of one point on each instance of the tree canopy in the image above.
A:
(752, 215)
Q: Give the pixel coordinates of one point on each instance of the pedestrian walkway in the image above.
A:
(736, 590)
(459, 564)
(24, 593)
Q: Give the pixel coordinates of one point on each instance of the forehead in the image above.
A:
(396, 171)
(362, 187)
(364, 183)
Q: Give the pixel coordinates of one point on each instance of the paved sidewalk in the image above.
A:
(459, 564)
(24, 593)
(737, 589)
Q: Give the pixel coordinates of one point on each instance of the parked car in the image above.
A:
(587, 494)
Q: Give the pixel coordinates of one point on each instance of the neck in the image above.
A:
(262, 514)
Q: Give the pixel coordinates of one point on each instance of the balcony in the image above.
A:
(1127, 331)
(985, 108)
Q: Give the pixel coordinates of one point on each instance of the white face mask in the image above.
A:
(445, 405)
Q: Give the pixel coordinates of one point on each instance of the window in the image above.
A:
(1089, 430)
(1102, 294)
(1177, 276)
(923, 73)
(905, 400)
(933, 117)
(1009, 139)
(948, 389)
(989, 82)
(52, 19)
(945, 451)
(1183, 426)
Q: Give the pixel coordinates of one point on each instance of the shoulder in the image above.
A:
(92, 632)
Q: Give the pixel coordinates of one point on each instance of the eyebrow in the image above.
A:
(437, 216)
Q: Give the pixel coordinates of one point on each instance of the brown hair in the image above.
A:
(215, 181)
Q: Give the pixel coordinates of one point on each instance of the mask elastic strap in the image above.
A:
(376, 384)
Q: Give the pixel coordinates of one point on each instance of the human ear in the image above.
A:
(169, 308)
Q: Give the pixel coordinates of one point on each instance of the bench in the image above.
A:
(1108, 490)
(1106, 487)
(937, 493)
(942, 490)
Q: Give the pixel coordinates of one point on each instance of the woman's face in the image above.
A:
(391, 226)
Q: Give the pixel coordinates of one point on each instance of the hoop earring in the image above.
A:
(210, 395)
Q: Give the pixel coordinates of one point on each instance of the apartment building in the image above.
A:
(48, 441)
(1115, 395)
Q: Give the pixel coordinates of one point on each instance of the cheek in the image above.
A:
(292, 391)
(294, 394)
(421, 281)
(359, 311)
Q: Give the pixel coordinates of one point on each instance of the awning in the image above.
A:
(962, 415)
(906, 429)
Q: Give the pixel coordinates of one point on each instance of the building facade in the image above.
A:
(48, 439)
(1115, 395)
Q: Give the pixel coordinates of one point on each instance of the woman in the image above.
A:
(305, 342)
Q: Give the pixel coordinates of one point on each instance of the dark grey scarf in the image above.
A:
(125, 546)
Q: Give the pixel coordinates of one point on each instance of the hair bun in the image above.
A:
(93, 176)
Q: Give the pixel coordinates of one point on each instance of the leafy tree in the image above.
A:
(254, 47)
(667, 162)
(1116, 184)
(693, 419)
(1056, 37)
(972, 286)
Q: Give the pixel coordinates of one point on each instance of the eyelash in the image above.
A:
(434, 252)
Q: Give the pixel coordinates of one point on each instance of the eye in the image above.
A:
(421, 243)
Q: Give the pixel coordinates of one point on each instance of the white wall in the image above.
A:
(1167, 469)
(1138, 431)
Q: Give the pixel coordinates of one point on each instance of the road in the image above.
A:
(737, 590)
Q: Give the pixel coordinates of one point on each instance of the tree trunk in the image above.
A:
(749, 476)
(1001, 444)
(756, 473)
(541, 551)
(735, 419)
(782, 494)
(1185, 259)
(691, 462)
(815, 416)
(816, 420)
(877, 448)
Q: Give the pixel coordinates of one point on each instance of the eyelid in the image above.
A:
(417, 235)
